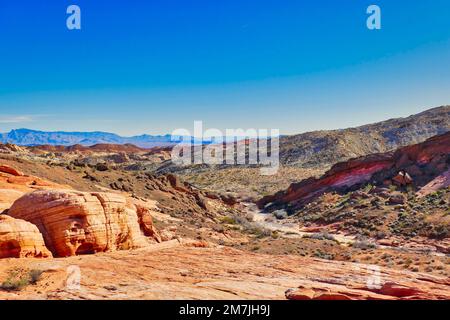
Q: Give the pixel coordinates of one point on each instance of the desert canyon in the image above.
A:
(366, 216)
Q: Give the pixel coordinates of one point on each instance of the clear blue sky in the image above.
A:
(152, 66)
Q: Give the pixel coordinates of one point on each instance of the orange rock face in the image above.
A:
(20, 239)
(13, 184)
(7, 198)
(74, 222)
(146, 222)
(10, 170)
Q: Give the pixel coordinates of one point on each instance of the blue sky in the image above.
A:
(153, 66)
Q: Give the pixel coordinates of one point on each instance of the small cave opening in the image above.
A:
(85, 248)
(10, 249)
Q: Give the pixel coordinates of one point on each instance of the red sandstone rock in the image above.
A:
(79, 223)
(20, 239)
(430, 155)
(146, 222)
(10, 170)
(397, 290)
(402, 179)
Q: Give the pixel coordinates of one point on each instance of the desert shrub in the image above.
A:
(392, 188)
(275, 234)
(323, 255)
(228, 220)
(35, 275)
(440, 232)
(312, 217)
(14, 284)
(368, 187)
(18, 279)
(363, 245)
(246, 225)
(407, 262)
(344, 201)
(259, 232)
(320, 236)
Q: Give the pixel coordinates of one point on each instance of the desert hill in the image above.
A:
(311, 154)
(397, 194)
(325, 148)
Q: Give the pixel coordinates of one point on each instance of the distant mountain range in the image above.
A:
(27, 137)
(307, 149)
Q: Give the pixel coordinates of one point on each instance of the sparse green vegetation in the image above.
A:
(363, 245)
(19, 279)
(392, 188)
(323, 255)
(228, 220)
(320, 236)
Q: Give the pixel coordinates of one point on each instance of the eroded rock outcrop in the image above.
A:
(440, 182)
(13, 179)
(417, 164)
(14, 184)
(73, 222)
(337, 291)
(10, 170)
(20, 239)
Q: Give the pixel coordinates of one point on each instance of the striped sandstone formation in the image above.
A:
(73, 222)
(20, 239)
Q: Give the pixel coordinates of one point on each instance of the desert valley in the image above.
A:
(358, 213)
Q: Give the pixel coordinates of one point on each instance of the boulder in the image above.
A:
(201, 201)
(73, 222)
(398, 290)
(402, 179)
(358, 194)
(397, 199)
(146, 222)
(280, 214)
(20, 239)
(229, 199)
(176, 183)
(101, 167)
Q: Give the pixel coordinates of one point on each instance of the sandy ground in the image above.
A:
(175, 271)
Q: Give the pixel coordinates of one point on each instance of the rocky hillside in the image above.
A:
(402, 193)
(313, 153)
(325, 148)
